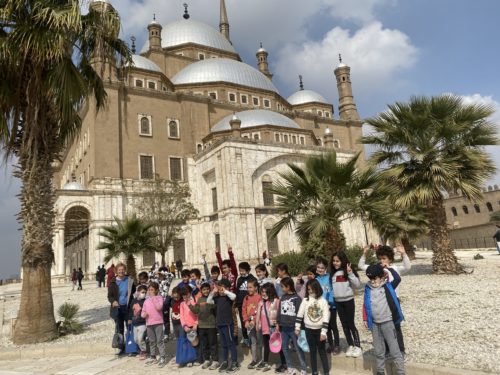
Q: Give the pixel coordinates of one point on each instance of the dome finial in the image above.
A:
(261, 45)
(301, 84)
(132, 38)
(186, 13)
(154, 16)
(340, 58)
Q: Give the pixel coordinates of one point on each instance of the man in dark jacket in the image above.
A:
(179, 266)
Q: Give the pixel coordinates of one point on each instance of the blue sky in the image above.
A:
(396, 48)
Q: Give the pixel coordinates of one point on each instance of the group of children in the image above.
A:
(203, 312)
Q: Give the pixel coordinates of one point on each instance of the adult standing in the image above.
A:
(80, 278)
(102, 276)
(496, 236)
(179, 266)
(111, 274)
(120, 292)
(98, 276)
(74, 278)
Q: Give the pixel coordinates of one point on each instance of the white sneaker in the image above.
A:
(348, 352)
(291, 371)
(356, 352)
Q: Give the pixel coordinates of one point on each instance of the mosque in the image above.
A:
(189, 109)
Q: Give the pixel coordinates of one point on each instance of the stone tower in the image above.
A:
(224, 23)
(347, 107)
(262, 62)
(154, 29)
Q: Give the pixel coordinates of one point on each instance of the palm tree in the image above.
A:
(128, 237)
(315, 200)
(430, 146)
(47, 55)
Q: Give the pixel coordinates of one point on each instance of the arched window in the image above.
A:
(336, 143)
(145, 126)
(173, 129)
(465, 209)
(268, 197)
(199, 148)
(454, 211)
(489, 206)
(476, 207)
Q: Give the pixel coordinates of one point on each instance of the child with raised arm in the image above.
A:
(301, 283)
(314, 311)
(230, 273)
(381, 311)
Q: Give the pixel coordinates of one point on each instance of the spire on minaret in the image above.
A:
(186, 13)
(340, 58)
(132, 38)
(224, 22)
(301, 84)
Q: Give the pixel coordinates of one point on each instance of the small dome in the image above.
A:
(223, 70)
(141, 62)
(190, 31)
(341, 65)
(256, 117)
(306, 96)
(73, 186)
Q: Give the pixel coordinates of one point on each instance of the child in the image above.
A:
(385, 255)
(344, 280)
(267, 312)
(212, 275)
(314, 312)
(152, 312)
(229, 272)
(241, 288)
(287, 315)
(137, 321)
(207, 330)
(223, 300)
(189, 320)
(262, 275)
(143, 278)
(249, 310)
(195, 282)
(175, 305)
(381, 311)
(323, 277)
(282, 272)
(301, 283)
(185, 276)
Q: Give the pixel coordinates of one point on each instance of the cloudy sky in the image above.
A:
(396, 48)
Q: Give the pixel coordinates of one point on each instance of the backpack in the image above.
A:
(118, 341)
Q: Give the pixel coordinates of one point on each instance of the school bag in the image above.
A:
(118, 342)
(185, 353)
(130, 345)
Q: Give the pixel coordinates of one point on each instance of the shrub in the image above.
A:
(478, 257)
(297, 262)
(355, 252)
(68, 323)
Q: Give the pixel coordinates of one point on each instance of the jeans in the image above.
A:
(228, 344)
(156, 344)
(139, 337)
(121, 319)
(254, 343)
(346, 312)
(208, 344)
(265, 344)
(317, 346)
(387, 332)
(287, 335)
(332, 327)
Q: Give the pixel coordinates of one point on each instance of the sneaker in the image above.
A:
(264, 366)
(190, 364)
(280, 369)
(356, 352)
(172, 361)
(336, 350)
(143, 356)
(223, 367)
(252, 365)
(162, 362)
(233, 368)
(302, 372)
(291, 371)
(348, 352)
(196, 364)
(214, 365)
(206, 364)
(151, 361)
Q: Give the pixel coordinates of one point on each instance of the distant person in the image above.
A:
(172, 268)
(111, 274)
(179, 266)
(496, 236)
(97, 276)
(74, 278)
(80, 277)
(102, 276)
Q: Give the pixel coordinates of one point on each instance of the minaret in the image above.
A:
(224, 23)
(262, 62)
(347, 107)
(154, 29)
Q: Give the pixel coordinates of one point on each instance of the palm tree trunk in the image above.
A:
(334, 241)
(35, 319)
(405, 241)
(444, 260)
(131, 270)
(163, 257)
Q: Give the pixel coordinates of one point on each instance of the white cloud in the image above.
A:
(374, 53)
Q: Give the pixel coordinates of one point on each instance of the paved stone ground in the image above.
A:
(106, 364)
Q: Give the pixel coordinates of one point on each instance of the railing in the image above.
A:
(463, 243)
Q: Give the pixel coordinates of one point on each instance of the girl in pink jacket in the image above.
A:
(189, 320)
(152, 311)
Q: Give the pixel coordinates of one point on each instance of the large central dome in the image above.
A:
(223, 70)
(190, 31)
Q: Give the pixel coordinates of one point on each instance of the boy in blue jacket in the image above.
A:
(381, 311)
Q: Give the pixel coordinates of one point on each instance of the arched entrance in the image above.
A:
(76, 239)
